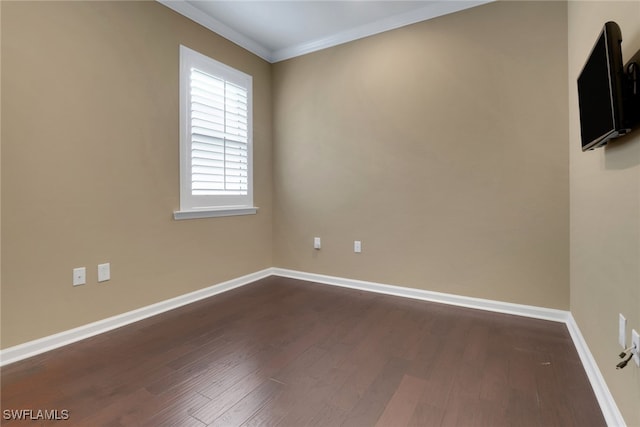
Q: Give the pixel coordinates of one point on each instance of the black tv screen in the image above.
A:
(600, 91)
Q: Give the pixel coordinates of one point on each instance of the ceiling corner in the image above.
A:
(187, 10)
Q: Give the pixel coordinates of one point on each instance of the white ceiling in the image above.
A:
(279, 30)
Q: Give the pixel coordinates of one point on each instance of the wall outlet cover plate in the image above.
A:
(635, 341)
(79, 276)
(622, 331)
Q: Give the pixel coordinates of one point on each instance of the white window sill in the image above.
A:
(214, 212)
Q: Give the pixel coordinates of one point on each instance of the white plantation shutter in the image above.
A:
(216, 145)
(218, 136)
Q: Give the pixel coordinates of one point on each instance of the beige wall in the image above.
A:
(0, 180)
(90, 165)
(442, 146)
(605, 214)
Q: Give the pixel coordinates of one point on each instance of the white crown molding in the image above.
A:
(196, 15)
(433, 10)
(42, 345)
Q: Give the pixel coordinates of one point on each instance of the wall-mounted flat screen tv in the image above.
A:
(600, 91)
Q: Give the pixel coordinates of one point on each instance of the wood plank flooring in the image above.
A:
(282, 352)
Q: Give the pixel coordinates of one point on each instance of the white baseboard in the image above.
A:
(610, 410)
(41, 345)
(608, 406)
(458, 300)
(605, 399)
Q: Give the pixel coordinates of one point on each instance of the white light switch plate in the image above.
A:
(104, 272)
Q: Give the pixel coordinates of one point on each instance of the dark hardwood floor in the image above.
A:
(282, 352)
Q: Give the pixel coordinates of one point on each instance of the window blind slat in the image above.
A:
(208, 140)
(197, 107)
(207, 101)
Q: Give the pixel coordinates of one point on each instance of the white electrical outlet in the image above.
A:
(622, 331)
(79, 276)
(316, 243)
(104, 272)
(635, 342)
(357, 246)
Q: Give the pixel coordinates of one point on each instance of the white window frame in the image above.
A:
(205, 206)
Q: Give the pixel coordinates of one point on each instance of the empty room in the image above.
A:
(322, 213)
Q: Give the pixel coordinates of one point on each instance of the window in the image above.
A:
(215, 138)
